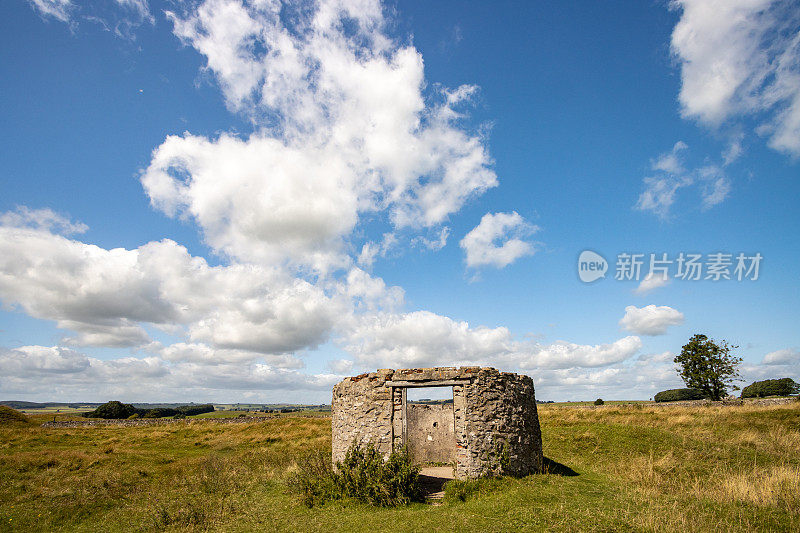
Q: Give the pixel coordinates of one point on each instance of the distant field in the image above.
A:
(56, 410)
(607, 402)
(640, 468)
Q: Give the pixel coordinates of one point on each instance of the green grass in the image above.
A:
(640, 469)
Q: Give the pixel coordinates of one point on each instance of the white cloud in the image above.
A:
(660, 190)
(787, 356)
(650, 320)
(372, 250)
(641, 377)
(670, 162)
(563, 354)
(436, 243)
(650, 283)
(741, 58)
(422, 338)
(343, 129)
(58, 9)
(497, 240)
(59, 373)
(41, 219)
(671, 175)
(368, 292)
(107, 295)
(138, 7)
(42, 359)
(716, 186)
(122, 18)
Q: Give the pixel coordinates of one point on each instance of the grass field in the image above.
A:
(639, 469)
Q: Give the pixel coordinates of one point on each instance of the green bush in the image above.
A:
(113, 411)
(771, 387)
(676, 395)
(599, 401)
(119, 410)
(363, 475)
(159, 412)
(314, 480)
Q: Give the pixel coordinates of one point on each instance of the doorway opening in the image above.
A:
(430, 425)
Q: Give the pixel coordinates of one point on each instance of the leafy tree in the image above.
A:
(112, 410)
(708, 366)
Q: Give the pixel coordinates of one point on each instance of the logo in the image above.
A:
(591, 266)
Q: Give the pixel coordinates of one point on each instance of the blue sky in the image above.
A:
(230, 200)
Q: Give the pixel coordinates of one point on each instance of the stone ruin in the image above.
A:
(491, 427)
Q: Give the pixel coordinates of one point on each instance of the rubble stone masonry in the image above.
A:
(494, 418)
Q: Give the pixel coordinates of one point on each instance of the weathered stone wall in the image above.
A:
(502, 425)
(495, 421)
(362, 413)
(431, 433)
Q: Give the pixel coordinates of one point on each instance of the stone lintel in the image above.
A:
(428, 383)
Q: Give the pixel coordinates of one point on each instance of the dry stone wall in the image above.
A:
(495, 421)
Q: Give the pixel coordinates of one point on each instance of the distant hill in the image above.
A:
(18, 404)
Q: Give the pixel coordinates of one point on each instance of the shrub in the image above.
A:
(599, 401)
(675, 395)
(363, 475)
(112, 410)
(771, 387)
(314, 479)
(159, 412)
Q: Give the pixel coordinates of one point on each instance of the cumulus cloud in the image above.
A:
(650, 319)
(741, 58)
(42, 359)
(422, 338)
(498, 240)
(641, 377)
(563, 354)
(343, 129)
(670, 175)
(787, 356)
(651, 282)
(67, 375)
(106, 295)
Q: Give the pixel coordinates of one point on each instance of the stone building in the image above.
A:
(491, 426)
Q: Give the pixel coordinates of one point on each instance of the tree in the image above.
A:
(112, 410)
(708, 366)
